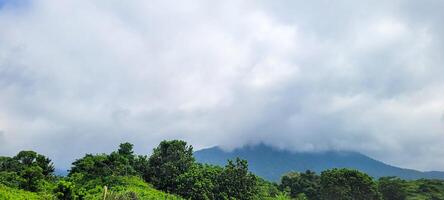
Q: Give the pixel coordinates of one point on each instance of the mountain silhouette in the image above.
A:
(271, 163)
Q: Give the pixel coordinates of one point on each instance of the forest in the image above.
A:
(171, 172)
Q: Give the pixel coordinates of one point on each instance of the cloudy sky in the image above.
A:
(81, 76)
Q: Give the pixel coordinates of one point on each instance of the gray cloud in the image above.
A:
(82, 76)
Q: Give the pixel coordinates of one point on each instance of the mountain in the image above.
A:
(271, 163)
(60, 172)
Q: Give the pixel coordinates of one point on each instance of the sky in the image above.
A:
(82, 76)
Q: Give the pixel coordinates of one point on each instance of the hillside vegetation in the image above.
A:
(171, 172)
(12, 193)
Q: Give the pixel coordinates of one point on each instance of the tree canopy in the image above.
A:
(347, 184)
(168, 161)
(171, 168)
(26, 170)
(307, 184)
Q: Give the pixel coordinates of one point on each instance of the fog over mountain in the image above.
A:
(80, 76)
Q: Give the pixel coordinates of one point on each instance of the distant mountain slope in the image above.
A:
(270, 163)
(61, 172)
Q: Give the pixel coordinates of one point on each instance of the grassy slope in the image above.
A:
(137, 186)
(7, 193)
(131, 185)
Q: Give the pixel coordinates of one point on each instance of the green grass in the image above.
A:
(135, 186)
(128, 187)
(7, 193)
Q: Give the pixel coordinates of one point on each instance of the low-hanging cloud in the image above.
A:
(81, 76)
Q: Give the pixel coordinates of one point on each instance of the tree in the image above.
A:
(392, 188)
(126, 150)
(307, 183)
(236, 182)
(267, 190)
(92, 166)
(168, 161)
(118, 163)
(141, 166)
(31, 158)
(301, 196)
(347, 184)
(46, 165)
(199, 182)
(9, 164)
(11, 179)
(32, 177)
(26, 157)
(290, 183)
(65, 190)
(26, 170)
(122, 161)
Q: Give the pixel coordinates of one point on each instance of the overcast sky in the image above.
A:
(80, 76)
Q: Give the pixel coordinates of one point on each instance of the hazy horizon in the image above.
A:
(82, 76)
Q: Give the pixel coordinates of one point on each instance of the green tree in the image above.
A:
(65, 190)
(92, 166)
(307, 183)
(168, 161)
(347, 184)
(200, 182)
(118, 163)
(32, 158)
(141, 166)
(9, 164)
(11, 179)
(26, 170)
(268, 190)
(392, 188)
(46, 165)
(236, 182)
(31, 178)
(301, 196)
(26, 157)
(126, 150)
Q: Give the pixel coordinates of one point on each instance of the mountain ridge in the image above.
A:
(271, 163)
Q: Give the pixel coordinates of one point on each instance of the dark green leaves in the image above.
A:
(297, 184)
(347, 184)
(392, 188)
(168, 161)
(26, 170)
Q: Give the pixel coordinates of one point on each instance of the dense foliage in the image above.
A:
(169, 160)
(27, 170)
(347, 184)
(297, 184)
(171, 172)
(392, 188)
